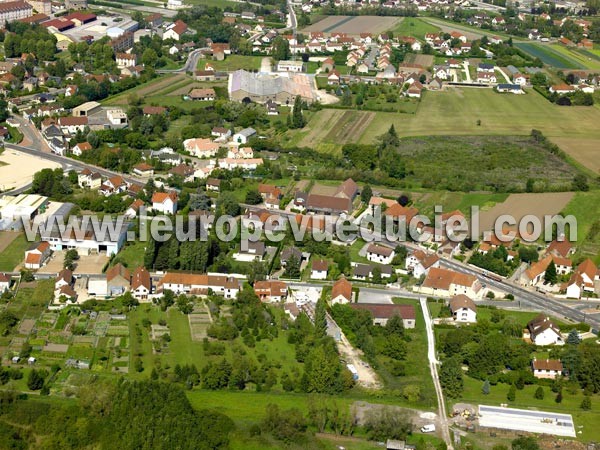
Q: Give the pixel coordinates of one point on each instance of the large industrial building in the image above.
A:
(279, 88)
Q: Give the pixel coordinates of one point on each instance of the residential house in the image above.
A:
(271, 290)
(199, 284)
(542, 331)
(134, 209)
(447, 283)
(203, 94)
(114, 185)
(71, 125)
(341, 292)
(546, 368)
(382, 312)
(213, 184)
(81, 148)
(201, 147)
(319, 269)
(143, 170)
(118, 280)
(584, 279)
(141, 283)
(88, 179)
(237, 152)
(562, 248)
(380, 254)
(220, 132)
(37, 255)
(164, 202)
(418, 263)
(463, 309)
(176, 31)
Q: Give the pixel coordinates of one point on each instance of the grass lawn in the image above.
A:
(412, 26)
(234, 62)
(585, 421)
(14, 253)
(30, 302)
(214, 3)
(132, 254)
(456, 112)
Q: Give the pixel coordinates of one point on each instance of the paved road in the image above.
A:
(190, 64)
(433, 363)
(63, 160)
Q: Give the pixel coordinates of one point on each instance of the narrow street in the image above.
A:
(433, 363)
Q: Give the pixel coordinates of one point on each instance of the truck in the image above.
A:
(353, 371)
(430, 428)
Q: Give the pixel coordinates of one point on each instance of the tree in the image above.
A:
(525, 443)
(366, 193)
(573, 337)
(297, 116)
(485, 389)
(586, 403)
(559, 397)
(321, 319)
(387, 423)
(253, 197)
(292, 267)
(551, 277)
(451, 377)
(281, 49)
(35, 380)
(539, 393)
(580, 183)
(149, 57)
(512, 393)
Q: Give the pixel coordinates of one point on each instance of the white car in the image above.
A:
(428, 428)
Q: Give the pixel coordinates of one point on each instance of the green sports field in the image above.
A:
(412, 26)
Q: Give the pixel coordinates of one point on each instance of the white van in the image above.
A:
(428, 428)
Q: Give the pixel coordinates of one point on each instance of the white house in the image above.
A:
(199, 284)
(141, 283)
(584, 279)
(175, 31)
(380, 254)
(546, 368)
(463, 309)
(542, 331)
(341, 292)
(37, 255)
(4, 282)
(319, 270)
(271, 290)
(201, 148)
(419, 263)
(164, 202)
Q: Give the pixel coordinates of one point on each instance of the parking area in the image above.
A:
(86, 264)
(524, 420)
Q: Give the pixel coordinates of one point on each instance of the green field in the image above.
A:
(234, 62)
(411, 26)
(13, 254)
(456, 112)
(584, 207)
(585, 421)
(549, 55)
(503, 163)
(581, 57)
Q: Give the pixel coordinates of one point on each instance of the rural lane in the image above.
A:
(433, 363)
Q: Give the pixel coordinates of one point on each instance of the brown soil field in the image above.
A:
(519, 205)
(6, 237)
(350, 127)
(585, 151)
(354, 25)
(149, 89)
(321, 189)
(423, 60)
